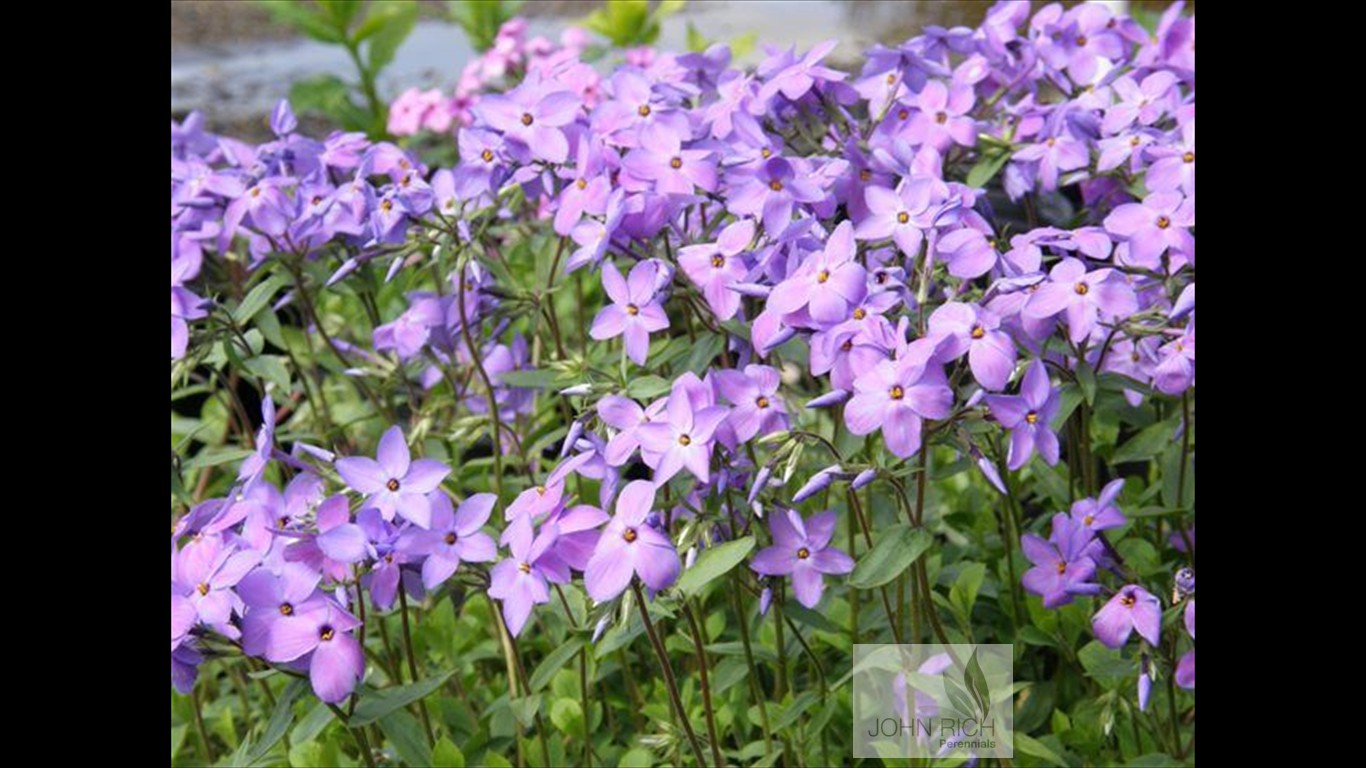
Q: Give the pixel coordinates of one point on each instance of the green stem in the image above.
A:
(205, 750)
(488, 388)
(412, 664)
(663, 657)
(706, 684)
(756, 686)
(367, 756)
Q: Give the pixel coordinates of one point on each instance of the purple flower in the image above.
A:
(635, 310)
(794, 77)
(454, 537)
(1028, 416)
(896, 395)
(1173, 166)
(1132, 608)
(757, 409)
(1175, 371)
(1155, 225)
(1064, 564)
(943, 119)
(255, 464)
(1055, 155)
(715, 267)
(395, 483)
(673, 170)
(519, 581)
(321, 628)
(970, 329)
(206, 571)
(533, 114)
(827, 283)
(801, 549)
(1100, 513)
(1084, 297)
(1144, 103)
(627, 417)
(274, 598)
(683, 438)
(1185, 671)
(629, 546)
(771, 193)
(917, 206)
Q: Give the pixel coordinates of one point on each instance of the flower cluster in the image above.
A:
(834, 233)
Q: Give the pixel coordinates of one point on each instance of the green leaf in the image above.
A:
(647, 387)
(330, 96)
(376, 704)
(1107, 665)
(538, 379)
(405, 733)
(976, 681)
(713, 563)
(567, 715)
(447, 755)
(1146, 444)
(342, 12)
(896, 549)
(1154, 760)
(964, 592)
(553, 662)
(387, 25)
(1086, 379)
(1035, 748)
(637, 758)
(257, 298)
(280, 720)
(525, 709)
(269, 368)
(986, 169)
(1032, 635)
(178, 738)
(696, 42)
(306, 18)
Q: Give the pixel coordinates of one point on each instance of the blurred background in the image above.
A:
(234, 59)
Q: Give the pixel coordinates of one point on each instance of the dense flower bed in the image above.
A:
(677, 317)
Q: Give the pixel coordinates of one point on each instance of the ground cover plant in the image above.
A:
(592, 413)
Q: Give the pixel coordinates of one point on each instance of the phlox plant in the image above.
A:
(604, 444)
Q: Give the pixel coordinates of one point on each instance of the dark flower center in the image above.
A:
(891, 78)
(386, 205)
(1032, 417)
(202, 589)
(1062, 567)
(897, 392)
(632, 310)
(718, 261)
(881, 278)
(524, 567)
(676, 163)
(903, 217)
(392, 485)
(847, 345)
(581, 183)
(803, 553)
(860, 313)
(1082, 289)
(823, 275)
(941, 117)
(282, 522)
(1135, 357)
(1127, 601)
(1081, 40)
(765, 153)
(487, 155)
(761, 401)
(1163, 222)
(527, 119)
(326, 633)
(903, 114)
(978, 332)
(286, 609)
(685, 440)
(389, 558)
(451, 538)
(317, 200)
(1135, 141)
(1088, 519)
(644, 110)
(865, 175)
(255, 191)
(629, 535)
(775, 185)
(1189, 157)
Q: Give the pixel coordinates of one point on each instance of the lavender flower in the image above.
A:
(801, 549)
